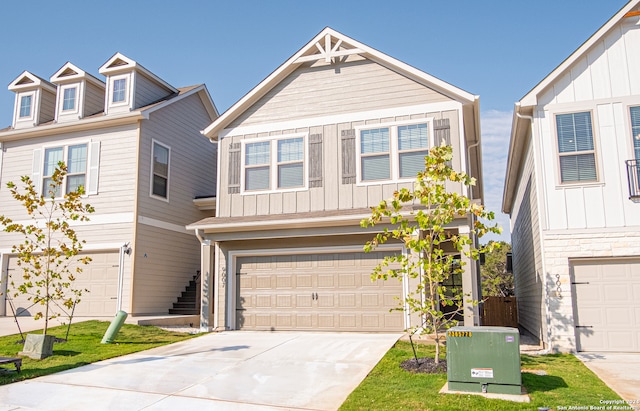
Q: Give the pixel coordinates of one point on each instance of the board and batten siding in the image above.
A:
(332, 191)
(321, 89)
(192, 163)
(605, 83)
(147, 91)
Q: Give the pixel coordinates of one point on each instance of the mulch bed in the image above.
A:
(424, 366)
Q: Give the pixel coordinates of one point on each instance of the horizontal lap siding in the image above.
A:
(116, 180)
(47, 106)
(147, 91)
(192, 167)
(165, 262)
(334, 89)
(94, 99)
(527, 264)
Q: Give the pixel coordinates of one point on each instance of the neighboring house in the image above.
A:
(303, 156)
(133, 141)
(572, 193)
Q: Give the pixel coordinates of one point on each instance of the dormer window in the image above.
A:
(25, 106)
(69, 99)
(119, 90)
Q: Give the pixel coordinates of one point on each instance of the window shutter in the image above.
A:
(36, 170)
(234, 168)
(94, 167)
(315, 160)
(442, 132)
(348, 156)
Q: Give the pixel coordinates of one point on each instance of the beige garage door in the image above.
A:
(315, 292)
(100, 277)
(607, 305)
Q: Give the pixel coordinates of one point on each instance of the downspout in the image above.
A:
(124, 249)
(205, 242)
(543, 269)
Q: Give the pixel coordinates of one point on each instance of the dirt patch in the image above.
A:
(424, 366)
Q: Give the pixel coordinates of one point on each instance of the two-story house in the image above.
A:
(572, 192)
(133, 141)
(334, 130)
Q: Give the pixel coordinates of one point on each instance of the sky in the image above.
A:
(497, 49)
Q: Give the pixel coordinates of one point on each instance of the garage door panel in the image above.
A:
(607, 305)
(99, 278)
(322, 291)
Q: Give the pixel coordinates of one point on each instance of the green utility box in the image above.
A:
(484, 359)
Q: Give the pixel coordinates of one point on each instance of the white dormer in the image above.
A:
(79, 93)
(131, 86)
(35, 100)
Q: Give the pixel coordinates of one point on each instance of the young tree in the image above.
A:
(49, 245)
(432, 247)
(496, 281)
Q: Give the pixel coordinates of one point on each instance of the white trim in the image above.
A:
(151, 173)
(31, 117)
(394, 152)
(374, 55)
(341, 118)
(163, 225)
(100, 219)
(127, 89)
(230, 315)
(273, 164)
(76, 99)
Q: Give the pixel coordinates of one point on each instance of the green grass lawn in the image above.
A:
(388, 387)
(83, 347)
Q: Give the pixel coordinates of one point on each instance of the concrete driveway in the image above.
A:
(619, 371)
(237, 370)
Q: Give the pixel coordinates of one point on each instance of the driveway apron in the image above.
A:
(237, 370)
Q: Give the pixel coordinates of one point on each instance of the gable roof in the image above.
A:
(329, 45)
(71, 72)
(523, 109)
(27, 80)
(119, 63)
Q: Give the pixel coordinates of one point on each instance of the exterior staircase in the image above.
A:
(189, 302)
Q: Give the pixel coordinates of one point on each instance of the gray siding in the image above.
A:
(192, 166)
(165, 261)
(94, 98)
(147, 91)
(332, 194)
(47, 106)
(321, 89)
(527, 257)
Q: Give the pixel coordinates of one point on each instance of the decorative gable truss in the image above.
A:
(331, 49)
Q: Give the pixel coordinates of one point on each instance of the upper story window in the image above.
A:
(119, 90)
(394, 152)
(275, 164)
(75, 157)
(69, 99)
(160, 170)
(25, 106)
(576, 149)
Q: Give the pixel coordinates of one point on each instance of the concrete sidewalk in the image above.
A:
(238, 370)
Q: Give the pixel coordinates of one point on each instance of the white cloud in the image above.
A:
(496, 130)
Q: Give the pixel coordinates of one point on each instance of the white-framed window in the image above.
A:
(75, 157)
(392, 151)
(635, 130)
(576, 147)
(26, 106)
(276, 163)
(160, 170)
(119, 90)
(69, 98)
